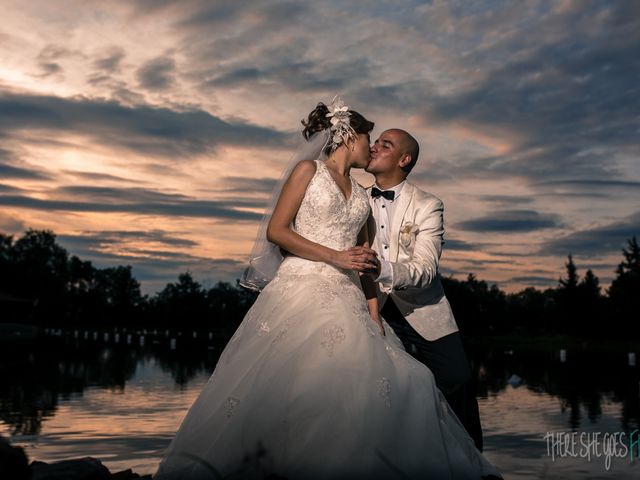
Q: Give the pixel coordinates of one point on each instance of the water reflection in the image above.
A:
(581, 379)
(38, 374)
(120, 395)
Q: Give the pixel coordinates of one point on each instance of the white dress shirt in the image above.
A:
(383, 211)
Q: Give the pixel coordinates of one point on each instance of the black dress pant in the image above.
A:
(448, 362)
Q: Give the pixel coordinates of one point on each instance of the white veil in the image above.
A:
(266, 257)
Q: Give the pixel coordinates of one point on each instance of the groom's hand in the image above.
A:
(365, 260)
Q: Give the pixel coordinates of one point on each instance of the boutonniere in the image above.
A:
(408, 232)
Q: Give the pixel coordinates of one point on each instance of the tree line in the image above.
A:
(63, 289)
(577, 306)
(41, 281)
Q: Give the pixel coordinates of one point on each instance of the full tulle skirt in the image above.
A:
(308, 388)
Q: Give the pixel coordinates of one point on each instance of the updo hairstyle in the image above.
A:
(318, 121)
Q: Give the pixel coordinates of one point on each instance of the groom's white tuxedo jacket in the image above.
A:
(415, 245)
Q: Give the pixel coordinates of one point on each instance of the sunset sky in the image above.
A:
(149, 133)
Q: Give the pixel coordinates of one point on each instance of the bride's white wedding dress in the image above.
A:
(308, 388)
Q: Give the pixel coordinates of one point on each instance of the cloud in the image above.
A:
(51, 56)
(154, 268)
(523, 108)
(46, 60)
(511, 221)
(520, 77)
(456, 244)
(110, 60)
(8, 171)
(134, 200)
(589, 188)
(100, 177)
(484, 262)
(12, 167)
(157, 74)
(115, 237)
(9, 224)
(506, 200)
(596, 241)
(144, 129)
(243, 185)
(513, 73)
(300, 75)
(204, 15)
(535, 281)
(592, 183)
(557, 94)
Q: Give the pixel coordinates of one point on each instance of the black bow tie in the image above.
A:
(388, 194)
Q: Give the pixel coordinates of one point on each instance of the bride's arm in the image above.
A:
(369, 286)
(280, 233)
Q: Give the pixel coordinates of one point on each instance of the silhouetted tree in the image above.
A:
(41, 271)
(528, 310)
(571, 282)
(82, 293)
(81, 275)
(566, 316)
(229, 304)
(7, 263)
(589, 303)
(181, 303)
(477, 307)
(69, 289)
(590, 284)
(121, 292)
(624, 291)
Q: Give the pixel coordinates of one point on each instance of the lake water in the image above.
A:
(120, 396)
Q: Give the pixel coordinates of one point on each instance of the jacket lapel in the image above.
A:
(398, 216)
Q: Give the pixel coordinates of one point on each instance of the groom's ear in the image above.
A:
(404, 160)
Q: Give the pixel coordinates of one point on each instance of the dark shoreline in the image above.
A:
(14, 465)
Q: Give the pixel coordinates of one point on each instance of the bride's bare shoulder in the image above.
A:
(306, 166)
(303, 170)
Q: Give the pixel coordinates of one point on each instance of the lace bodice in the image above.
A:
(326, 217)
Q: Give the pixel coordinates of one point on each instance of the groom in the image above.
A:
(406, 230)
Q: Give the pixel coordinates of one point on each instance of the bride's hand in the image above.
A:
(359, 258)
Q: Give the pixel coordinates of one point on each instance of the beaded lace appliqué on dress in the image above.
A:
(232, 402)
(331, 337)
(384, 391)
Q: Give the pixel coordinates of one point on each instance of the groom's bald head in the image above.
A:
(393, 155)
(408, 146)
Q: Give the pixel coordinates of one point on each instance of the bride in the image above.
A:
(314, 384)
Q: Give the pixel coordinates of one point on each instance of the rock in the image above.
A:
(86, 468)
(128, 475)
(13, 462)
(14, 465)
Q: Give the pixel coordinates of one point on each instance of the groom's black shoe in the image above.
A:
(492, 477)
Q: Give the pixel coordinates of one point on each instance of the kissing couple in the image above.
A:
(349, 365)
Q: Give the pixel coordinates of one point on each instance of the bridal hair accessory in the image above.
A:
(341, 128)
